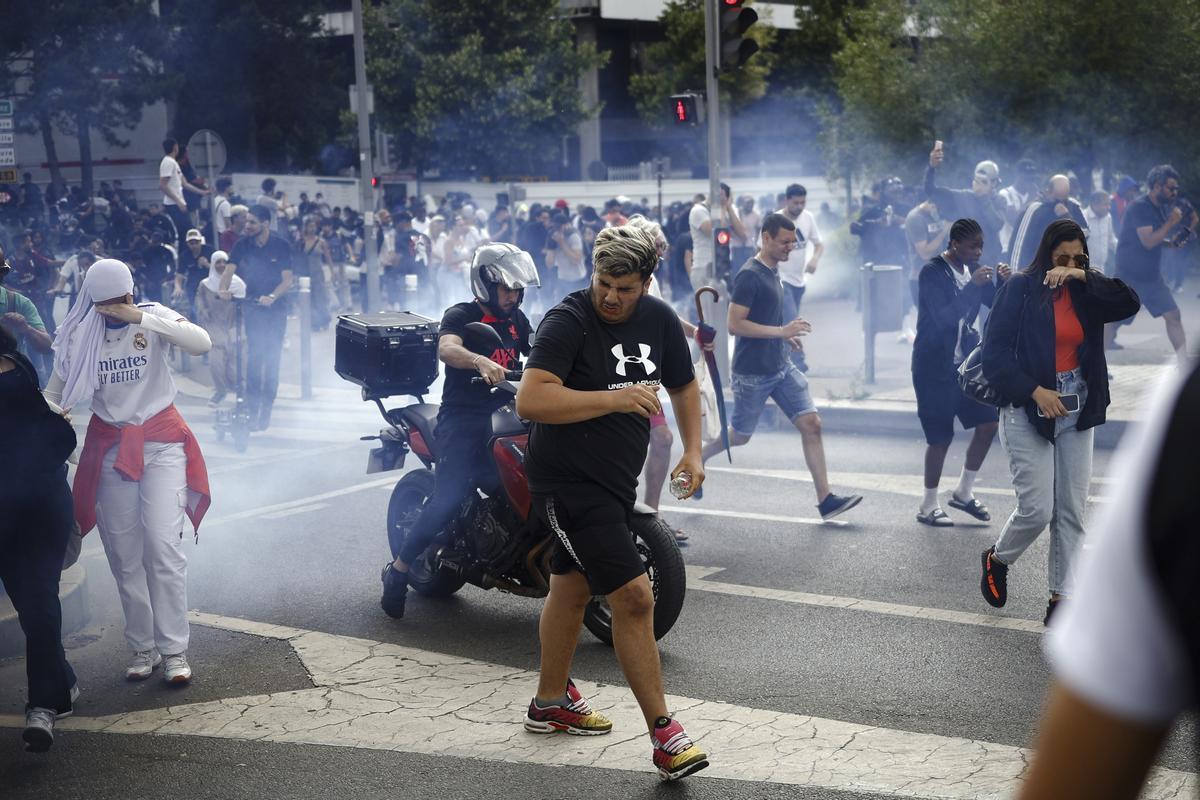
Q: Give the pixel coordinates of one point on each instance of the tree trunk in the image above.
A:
(47, 131)
(83, 123)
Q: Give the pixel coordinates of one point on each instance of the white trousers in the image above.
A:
(141, 526)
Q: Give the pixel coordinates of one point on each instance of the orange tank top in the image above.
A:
(1068, 333)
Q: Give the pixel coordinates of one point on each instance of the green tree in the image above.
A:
(677, 63)
(261, 74)
(1076, 85)
(76, 68)
(477, 88)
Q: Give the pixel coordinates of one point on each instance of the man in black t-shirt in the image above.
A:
(761, 367)
(500, 274)
(1149, 225)
(264, 261)
(590, 388)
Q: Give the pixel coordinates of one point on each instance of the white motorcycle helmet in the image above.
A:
(501, 264)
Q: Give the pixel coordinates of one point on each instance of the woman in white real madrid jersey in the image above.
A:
(141, 469)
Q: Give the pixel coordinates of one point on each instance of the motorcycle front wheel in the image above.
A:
(408, 498)
(655, 542)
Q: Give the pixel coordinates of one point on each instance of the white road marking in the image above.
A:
(912, 485)
(251, 513)
(714, 512)
(698, 580)
(288, 512)
(373, 695)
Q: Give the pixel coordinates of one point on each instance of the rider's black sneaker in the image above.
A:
(395, 591)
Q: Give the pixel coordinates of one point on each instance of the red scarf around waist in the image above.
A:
(165, 426)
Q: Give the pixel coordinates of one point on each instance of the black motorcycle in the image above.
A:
(489, 543)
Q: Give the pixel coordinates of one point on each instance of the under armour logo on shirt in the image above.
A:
(644, 359)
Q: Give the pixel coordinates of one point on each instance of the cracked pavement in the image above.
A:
(374, 695)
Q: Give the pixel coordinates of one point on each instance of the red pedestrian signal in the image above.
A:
(687, 109)
(722, 236)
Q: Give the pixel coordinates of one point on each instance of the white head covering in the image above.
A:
(77, 343)
(237, 286)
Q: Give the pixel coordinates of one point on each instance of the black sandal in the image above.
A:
(975, 508)
(935, 519)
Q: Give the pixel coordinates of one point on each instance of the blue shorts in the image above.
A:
(788, 388)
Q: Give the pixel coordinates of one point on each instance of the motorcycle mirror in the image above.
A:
(481, 338)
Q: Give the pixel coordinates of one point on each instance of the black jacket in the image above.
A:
(1018, 345)
(942, 310)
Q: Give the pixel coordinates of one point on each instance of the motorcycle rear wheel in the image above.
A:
(660, 553)
(404, 508)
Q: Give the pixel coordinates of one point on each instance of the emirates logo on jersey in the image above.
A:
(139, 341)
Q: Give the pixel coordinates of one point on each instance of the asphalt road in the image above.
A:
(295, 538)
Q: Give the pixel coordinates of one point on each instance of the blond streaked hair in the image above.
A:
(625, 250)
(649, 225)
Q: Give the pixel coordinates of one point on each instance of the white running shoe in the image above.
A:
(176, 669)
(39, 730)
(142, 665)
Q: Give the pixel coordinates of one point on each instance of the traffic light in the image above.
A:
(375, 182)
(722, 257)
(735, 48)
(687, 108)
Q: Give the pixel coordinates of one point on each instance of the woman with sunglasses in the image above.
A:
(1043, 349)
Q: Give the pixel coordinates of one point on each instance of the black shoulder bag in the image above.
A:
(970, 372)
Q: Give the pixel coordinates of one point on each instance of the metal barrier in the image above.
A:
(883, 307)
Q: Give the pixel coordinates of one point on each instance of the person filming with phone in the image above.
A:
(1043, 350)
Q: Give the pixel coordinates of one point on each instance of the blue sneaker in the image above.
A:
(834, 505)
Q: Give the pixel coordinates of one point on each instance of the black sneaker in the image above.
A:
(395, 591)
(993, 583)
(834, 504)
(1050, 607)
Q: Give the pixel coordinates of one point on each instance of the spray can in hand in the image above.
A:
(681, 484)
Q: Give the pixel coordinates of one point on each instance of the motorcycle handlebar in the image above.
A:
(509, 375)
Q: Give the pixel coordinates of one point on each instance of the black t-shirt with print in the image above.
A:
(758, 288)
(592, 355)
(458, 392)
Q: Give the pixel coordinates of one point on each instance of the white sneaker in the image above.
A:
(176, 669)
(39, 730)
(142, 665)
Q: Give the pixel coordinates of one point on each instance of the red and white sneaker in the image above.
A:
(576, 718)
(675, 755)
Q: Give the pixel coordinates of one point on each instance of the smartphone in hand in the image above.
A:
(1070, 403)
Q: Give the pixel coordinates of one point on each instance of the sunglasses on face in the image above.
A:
(1080, 261)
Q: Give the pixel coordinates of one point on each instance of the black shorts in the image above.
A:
(1156, 297)
(592, 528)
(940, 400)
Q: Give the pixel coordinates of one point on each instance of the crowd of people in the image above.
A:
(1039, 329)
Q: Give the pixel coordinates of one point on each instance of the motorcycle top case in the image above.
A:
(387, 353)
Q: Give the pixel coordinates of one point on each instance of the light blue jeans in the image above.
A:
(1052, 481)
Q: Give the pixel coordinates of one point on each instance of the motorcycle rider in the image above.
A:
(590, 388)
(500, 273)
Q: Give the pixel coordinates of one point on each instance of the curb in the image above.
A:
(870, 418)
(72, 595)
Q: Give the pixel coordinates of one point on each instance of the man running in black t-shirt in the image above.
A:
(761, 368)
(590, 388)
(500, 274)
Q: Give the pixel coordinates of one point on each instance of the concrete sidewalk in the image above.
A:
(836, 353)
